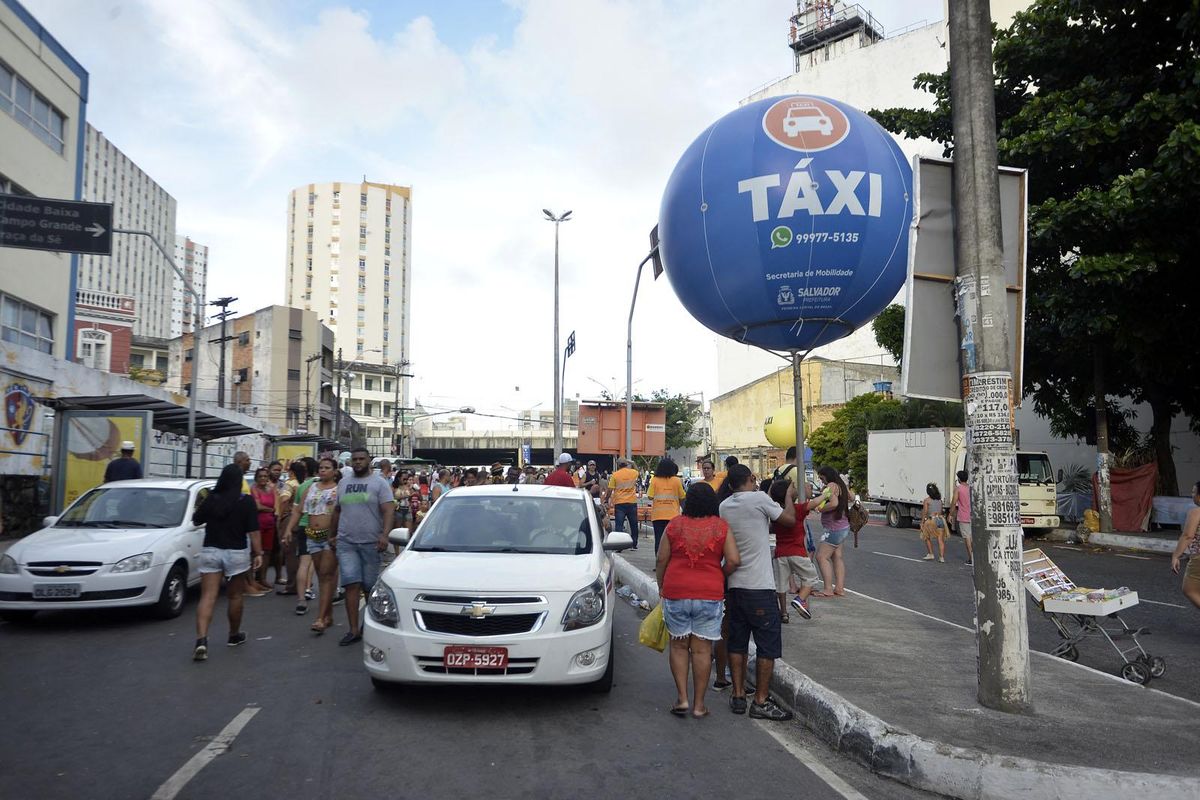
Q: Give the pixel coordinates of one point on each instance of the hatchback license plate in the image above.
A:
(56, 591)
(462, 657)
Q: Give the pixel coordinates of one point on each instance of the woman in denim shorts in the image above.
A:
(833, 505)
(317, 503)
(691, 582)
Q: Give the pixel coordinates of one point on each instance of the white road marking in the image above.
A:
(174, 785)
(912, 611)
(1159, 603)
(890, 555)
(805, 757)
(1139, 558)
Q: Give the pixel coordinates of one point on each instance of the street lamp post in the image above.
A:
(566, 215)
(629, 358)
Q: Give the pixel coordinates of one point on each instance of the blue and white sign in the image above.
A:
(526, 453)
(785, 224)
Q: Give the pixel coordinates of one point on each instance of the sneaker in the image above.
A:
(737, 705)
(350, 639)
(236, 638)
(770, 710)
(801, 608)
(309, 594)
(341, 595)
(943, 560)
(720, 686)
(928, 557)
(201, 651)
(970, 563)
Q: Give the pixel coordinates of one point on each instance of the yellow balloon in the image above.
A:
(780, 428)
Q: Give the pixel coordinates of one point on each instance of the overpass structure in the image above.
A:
(475, 447)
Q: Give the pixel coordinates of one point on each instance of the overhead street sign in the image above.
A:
(64, 226)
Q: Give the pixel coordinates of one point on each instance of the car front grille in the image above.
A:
(468, 599)
(516, 666)
(62, 569)
(463, 625)
(108, 594)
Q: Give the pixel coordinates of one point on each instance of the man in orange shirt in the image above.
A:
(622, 491)
(666, 493)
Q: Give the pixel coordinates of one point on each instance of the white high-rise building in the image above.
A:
(348, 260)
(136, 268)
(192, 258)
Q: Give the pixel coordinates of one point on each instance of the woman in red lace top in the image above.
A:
(691, 582)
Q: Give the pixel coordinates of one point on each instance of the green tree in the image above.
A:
(889, 331)
(1099, 101)
(682, 416)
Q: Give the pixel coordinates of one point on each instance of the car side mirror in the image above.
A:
(398, 536)
(48, 521)
(1060, 474)
(617, 541)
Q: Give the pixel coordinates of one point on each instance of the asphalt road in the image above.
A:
(110, 705)
(887, 565)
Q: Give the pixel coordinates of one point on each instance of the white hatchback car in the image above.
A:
(127, 543)
(500, 584)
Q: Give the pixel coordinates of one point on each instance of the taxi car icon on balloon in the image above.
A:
(802, 117)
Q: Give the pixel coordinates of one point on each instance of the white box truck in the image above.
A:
(900, 463)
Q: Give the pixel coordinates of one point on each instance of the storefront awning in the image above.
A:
(168, 416)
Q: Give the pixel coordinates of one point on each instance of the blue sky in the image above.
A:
(491, 111)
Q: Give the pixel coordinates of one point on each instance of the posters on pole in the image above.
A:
(287, 453)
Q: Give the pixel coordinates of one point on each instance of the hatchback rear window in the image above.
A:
(467, 523)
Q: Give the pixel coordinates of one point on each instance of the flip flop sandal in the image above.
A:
(318, 627)
(700, 714)
(301, 609)
(785, 619)
(679, 711)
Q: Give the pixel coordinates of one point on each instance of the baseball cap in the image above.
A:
(565, 458)
(126, 445)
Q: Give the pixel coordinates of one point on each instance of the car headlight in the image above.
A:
(586, 607)
(8, 565)
(381, 603)
(136, 563)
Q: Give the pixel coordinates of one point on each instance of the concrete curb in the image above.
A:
(931, 765)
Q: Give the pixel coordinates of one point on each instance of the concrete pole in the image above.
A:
(629, 361)
(337, 399)
(1001, 632)
(1103, 458)
(557, 378)
(798, 404)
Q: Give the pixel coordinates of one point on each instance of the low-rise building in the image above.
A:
(103, 330)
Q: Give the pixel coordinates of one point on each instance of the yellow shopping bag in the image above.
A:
(653, 632)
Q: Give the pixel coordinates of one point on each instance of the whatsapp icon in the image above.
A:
(781, 237)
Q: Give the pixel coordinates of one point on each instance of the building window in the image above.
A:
(187, 354)
(23, 324)
(337, 196)
(31, 109)
(362, 198)
(93, 348)
(137, 360)
(243, 338)
(294, 333)
(387, 409)
(160, 364)
(294, 375)
(368, 409)
(243, 375)
(387, 385)
(362, 263)
(369, 384)
(362, 230)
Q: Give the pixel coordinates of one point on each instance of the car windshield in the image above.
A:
(126, 507)
(476, 523)
(1033, 468)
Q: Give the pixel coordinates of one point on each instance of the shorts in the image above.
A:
(754, 611)
(229, 562)
(834, 537)
(1191, 573)
(964, 529)
(931, 530)
(315, 544)
(800, 566)
(359, 563)
(699, 618)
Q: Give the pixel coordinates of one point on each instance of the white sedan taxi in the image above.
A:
(500, 584)
(126, 543)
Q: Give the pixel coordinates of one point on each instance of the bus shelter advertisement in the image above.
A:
(89, 441)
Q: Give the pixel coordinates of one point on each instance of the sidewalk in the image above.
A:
(895, 690)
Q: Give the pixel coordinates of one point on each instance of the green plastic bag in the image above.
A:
(653, 632)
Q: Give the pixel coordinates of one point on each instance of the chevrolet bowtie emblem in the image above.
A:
(478, 610)
(62, 569)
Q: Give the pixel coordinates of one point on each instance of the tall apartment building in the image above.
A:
(136, 268)
(43, 103)
(349, 246)
(192, 258)
(278, 367)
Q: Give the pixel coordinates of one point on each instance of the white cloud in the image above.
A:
(230, 104)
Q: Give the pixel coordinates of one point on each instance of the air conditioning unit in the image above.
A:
(237, 378)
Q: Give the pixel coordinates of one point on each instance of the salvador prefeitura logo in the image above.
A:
(806, 124)
(18, 411)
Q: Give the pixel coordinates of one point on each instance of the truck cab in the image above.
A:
(1039, 500)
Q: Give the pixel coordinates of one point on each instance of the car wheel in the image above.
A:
(173, 594)
(17, 617)
(604, 685)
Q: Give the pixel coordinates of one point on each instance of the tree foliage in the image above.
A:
(682, 418)
(1099, 100)
(889, 331)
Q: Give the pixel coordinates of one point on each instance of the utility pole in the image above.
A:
(1103, 459)
(308, 406)
(337, 399)
(557, 380)
(223, 303)
(396, 444)
(1000, 624)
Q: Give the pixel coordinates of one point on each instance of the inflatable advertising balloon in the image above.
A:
(785, 224)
